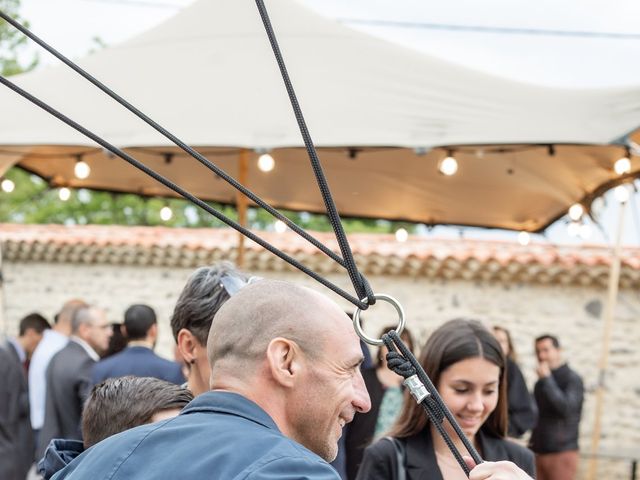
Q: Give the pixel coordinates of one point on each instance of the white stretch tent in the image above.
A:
(208, 75)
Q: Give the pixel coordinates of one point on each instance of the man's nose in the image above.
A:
(361, 401)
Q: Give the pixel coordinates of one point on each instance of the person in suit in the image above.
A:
(30, 333)
(386, 392)
(69, 375)
(523, 412)
(466, 364)
(138, 359)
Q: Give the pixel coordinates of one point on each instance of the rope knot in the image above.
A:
(400, 365)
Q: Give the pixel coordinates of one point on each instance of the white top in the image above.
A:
(52, 342)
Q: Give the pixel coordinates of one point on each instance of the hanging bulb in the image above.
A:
(449, 165)
(82, 169)
(279, 226)
(64, 194)
(7, 185)
(621, 193)
(622, 165)
(524, 238)
(576, 211)
(266, 162)
(166, 213)
(402, 235)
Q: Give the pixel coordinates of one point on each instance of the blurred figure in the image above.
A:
(559, 394)
(205, 292)
(522, 409)
(69, 375)
(113, 406)
(141, 330)
(117, 342)
(386, 392)
(30, 333)
(53, 340)
(465, 363)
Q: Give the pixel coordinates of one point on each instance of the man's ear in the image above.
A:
(284, 359)
(187, 345)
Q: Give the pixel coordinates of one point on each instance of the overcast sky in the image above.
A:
(569, 43)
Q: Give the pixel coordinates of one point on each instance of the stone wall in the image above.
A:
(573, 313)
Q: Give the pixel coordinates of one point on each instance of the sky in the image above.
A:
(567, 43)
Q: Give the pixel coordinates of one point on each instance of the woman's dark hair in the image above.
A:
(452, 342)
(405, 336)
(512, 351)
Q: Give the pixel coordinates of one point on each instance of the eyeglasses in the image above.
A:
(233, 284)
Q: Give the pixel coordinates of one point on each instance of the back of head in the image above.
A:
(33, 321)
(200, 299)
(452, 342)
(65, 316)
(260, 312)
(83, 315)
(138, 319)
(118, 404)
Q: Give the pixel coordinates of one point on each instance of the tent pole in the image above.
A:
(241, 202)
(614, 279)
(4, 330)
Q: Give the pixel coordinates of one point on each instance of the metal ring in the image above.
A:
(358, 327)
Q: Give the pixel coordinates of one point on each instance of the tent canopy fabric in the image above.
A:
(382, 117)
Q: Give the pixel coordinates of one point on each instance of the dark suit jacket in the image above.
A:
(11, 379)
(380, 460)
(25, 433)
(68, 385)
(137, 361)
(523, 412)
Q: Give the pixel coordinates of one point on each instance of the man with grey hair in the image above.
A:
(69, 375)
(205, 292)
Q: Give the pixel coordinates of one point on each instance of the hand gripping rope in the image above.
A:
(399, 358)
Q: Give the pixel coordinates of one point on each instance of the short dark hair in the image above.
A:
(138, 319)
(118, 404)
(33, 321)
(554, 340)
(200, 300)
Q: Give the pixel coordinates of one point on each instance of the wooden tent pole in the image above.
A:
(241, 202)
(614, 279)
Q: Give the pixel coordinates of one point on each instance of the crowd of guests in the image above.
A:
(271, 382)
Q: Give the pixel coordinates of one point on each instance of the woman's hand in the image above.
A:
(495, 471)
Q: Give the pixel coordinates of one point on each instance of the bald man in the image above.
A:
(285, 379)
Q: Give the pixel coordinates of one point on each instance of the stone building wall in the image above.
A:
(572, 312)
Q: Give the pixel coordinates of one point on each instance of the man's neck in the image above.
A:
(141, 343)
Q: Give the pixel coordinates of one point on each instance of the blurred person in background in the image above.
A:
(466, 364)
(523, 412)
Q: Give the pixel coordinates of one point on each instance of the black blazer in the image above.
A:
(380, 461)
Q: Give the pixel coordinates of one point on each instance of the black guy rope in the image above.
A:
(195, 154)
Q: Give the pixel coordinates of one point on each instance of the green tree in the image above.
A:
(12, 41)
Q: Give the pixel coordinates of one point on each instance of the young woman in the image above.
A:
(467, 366)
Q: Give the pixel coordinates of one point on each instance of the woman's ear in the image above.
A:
(284, 359)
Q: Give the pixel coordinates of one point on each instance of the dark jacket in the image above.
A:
(522, 408)
(137, 361)
(360, 431)
(11, 378)
(380, 459)
(559, 398)
(68, 385)
(218, 436)
(58, 455)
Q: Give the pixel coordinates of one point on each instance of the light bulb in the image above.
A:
(7, 185)
(82, 170)
(448, 166)
(585, 231)
(166, 213)
(266, 162)
(622, 166)
(280, 226)
(576, 211)
(524, 238)
(402, 235)
(622, 193)
(64, 194)
(573, 229)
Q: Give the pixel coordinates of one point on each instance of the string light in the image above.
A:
(7, 185)
(622, 165)
(166, 213)
(266, 162)
(64, 194)
(279, 226)
(524, 238)
(621, 193)
(449, 165)
(576, 211)
(402, 235)
(81, 169)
